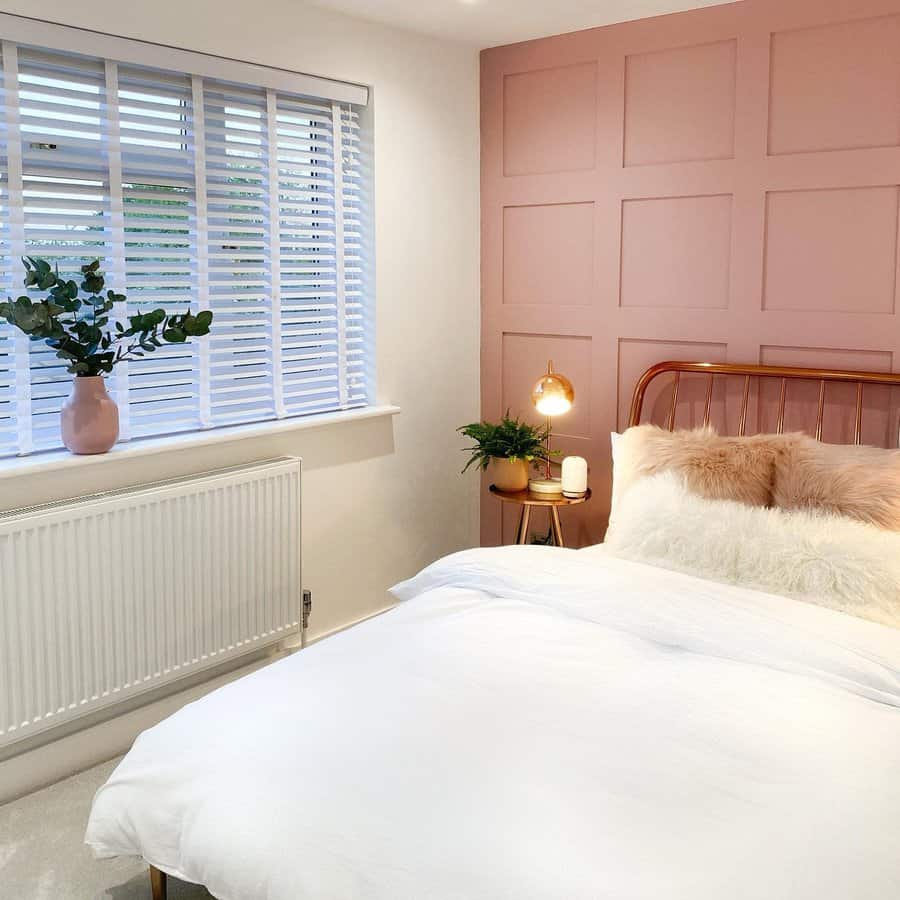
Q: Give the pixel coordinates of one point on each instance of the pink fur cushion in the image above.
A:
(859, 482)
(715, 467)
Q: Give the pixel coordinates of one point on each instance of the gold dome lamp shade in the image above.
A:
(552, 395)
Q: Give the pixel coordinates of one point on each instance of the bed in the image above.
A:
(537, 722)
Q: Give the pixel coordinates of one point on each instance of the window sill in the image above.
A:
(54, 460)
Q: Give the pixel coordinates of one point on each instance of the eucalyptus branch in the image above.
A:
(84, 341)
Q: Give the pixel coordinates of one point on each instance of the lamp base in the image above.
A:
(545, 485)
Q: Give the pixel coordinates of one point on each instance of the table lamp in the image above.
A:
(553, 395)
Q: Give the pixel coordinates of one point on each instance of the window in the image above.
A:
(192, 189)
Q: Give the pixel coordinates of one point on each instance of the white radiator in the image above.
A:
(107, 596)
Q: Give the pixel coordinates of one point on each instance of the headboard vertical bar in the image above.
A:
(857, 431)
(709, 393)
(671, 422)
(781, 401)
(820, 414)
(744, 401)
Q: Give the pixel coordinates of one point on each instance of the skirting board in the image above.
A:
(51, 762)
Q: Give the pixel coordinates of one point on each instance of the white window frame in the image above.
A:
(17, 30)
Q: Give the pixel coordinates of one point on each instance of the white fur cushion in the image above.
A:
(824, 559)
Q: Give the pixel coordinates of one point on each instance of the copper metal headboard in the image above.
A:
(749, 372)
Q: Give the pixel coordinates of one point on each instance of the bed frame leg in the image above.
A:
(158, 885)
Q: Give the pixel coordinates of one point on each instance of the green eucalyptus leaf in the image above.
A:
(92, 278)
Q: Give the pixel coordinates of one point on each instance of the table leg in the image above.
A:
(524, 521)
(556, 527)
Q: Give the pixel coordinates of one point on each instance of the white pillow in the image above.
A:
(820, 558)
(614, 438)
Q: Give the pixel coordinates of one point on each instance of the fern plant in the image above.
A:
(510, 439)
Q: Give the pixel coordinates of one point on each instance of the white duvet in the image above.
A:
(537, 723)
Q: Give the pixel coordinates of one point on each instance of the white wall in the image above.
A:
(382, 497)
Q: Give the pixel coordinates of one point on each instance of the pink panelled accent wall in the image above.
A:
(720, 184)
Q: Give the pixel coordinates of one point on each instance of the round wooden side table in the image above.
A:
(527, 500)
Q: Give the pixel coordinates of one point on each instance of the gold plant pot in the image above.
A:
(508, 474)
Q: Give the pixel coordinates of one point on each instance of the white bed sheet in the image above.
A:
(537, 723)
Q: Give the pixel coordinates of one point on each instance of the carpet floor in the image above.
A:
(42, 852)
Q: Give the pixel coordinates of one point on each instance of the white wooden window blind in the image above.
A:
(192, 189)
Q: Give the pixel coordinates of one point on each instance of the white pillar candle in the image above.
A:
(574, 476)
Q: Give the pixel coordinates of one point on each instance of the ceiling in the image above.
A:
(488, 23)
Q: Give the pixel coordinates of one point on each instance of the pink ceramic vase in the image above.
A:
(90, 417)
